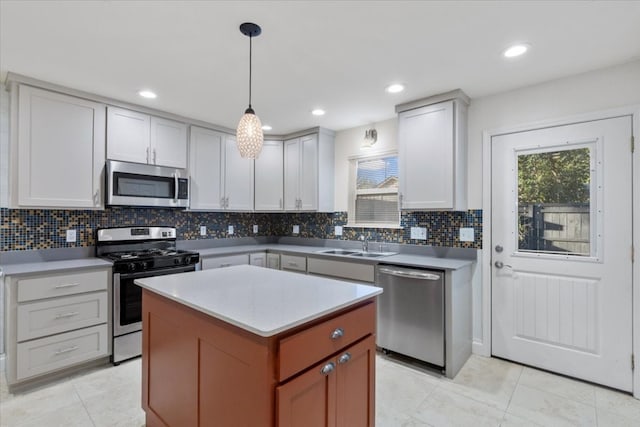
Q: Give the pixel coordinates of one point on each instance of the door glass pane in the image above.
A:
(554, 202)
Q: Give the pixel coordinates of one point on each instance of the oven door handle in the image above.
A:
(153, 273)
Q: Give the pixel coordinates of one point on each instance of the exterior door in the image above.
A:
(561, 255)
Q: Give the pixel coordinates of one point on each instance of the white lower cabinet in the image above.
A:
(224, 261)
(273, 261)
(55, 320)
(341, 269)
(258, 259)
(293, 263)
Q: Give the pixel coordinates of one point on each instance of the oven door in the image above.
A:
(127, 298)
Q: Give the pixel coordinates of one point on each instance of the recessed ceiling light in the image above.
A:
(266, 127)
(318, 112)
(516, 50)
(147, 94)
(394, 88)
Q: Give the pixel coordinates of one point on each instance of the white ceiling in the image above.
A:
(337, 55)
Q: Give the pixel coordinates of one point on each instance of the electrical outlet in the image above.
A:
(296, 229)
(230, 229)
(338, 230)
(467, 234)
(71, 235)
(255, 229)
(203, 230)
(419, 233)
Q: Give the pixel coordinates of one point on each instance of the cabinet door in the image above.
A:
(238, 181)
(309, 173)
(258, 259)
(206, 151)
(61, 149)
(128, 135)
(355, 388)
(425, 140)
(273, 261)
(310, 399)
(291, 174)
(224, 261)
(269, 177)
(168, 143)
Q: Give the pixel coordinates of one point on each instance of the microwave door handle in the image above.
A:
(175, 186)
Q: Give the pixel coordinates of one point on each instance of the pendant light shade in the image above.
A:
(249, 136)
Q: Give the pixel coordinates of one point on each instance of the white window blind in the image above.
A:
(376, 191)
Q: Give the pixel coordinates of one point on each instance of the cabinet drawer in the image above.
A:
(292, 262)
(342, 269)
(224, 261)
(309, 346)
(38, 319)
(55, 285)
(60, 351)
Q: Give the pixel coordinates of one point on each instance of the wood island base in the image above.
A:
(198, 370)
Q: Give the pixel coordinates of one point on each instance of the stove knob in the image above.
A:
(132, 266)
(143, 265)
(177, 261)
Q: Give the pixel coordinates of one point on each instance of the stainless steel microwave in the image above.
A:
(136, 184)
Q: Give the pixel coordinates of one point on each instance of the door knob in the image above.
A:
(500, 264)
(499, 248)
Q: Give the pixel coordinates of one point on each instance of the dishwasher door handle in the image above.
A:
(410, 274)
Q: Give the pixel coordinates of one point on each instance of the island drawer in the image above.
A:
(52, 316)
(293, 262)
(311, 345)
(55, 285)
(59, 351)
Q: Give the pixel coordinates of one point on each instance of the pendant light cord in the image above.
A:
(250, 55)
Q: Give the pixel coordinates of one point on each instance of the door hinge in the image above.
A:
(633, 254)
(633, 143)
(633, 362)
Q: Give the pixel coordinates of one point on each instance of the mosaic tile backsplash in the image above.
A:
(29, 229)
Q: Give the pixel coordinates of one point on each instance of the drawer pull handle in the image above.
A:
(66, 285)
(65, 315)
(345, 358)
(328, 368)
(293, 264)
(225, 265)
(66, 350)
(338, 333)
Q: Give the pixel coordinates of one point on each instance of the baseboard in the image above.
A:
(480, 348)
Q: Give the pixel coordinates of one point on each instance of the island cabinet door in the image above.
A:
(310, 399)
(338, 392)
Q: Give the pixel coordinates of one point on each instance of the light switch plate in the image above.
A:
(338, 230)
(255, 229)
(467, 234)
(419, 233)
(203, 230)
(71, 235)
(296, 229)
(230, 229)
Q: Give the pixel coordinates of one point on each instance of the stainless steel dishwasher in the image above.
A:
(411, 312)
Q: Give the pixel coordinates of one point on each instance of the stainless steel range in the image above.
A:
(137, 252)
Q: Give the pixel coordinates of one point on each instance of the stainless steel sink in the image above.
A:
(368, 254)
(338, 252)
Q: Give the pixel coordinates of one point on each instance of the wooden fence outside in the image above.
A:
(554, 227)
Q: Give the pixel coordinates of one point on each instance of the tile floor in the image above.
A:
(486, 392)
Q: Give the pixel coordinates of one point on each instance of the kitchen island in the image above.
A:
(248, 346)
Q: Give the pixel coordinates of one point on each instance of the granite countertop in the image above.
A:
(262, 301)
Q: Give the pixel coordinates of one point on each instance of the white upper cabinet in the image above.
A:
(61, 151)
(269, 177)
(140, 138)
(308, 172)
(432, 153)
(220, 178)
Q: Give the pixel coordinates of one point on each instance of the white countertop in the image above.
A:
(45, 266)
(259, 300)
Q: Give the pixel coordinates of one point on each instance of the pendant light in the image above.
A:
(249, 135)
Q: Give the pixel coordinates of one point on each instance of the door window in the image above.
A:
(555, 194)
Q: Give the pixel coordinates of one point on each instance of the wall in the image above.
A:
(583, 93)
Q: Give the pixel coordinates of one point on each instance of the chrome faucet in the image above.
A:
(365, 243)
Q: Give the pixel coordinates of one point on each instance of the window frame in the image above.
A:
(353, 177)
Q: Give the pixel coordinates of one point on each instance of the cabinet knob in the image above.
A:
(328, 368)
(345, 358)
(339, 332)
